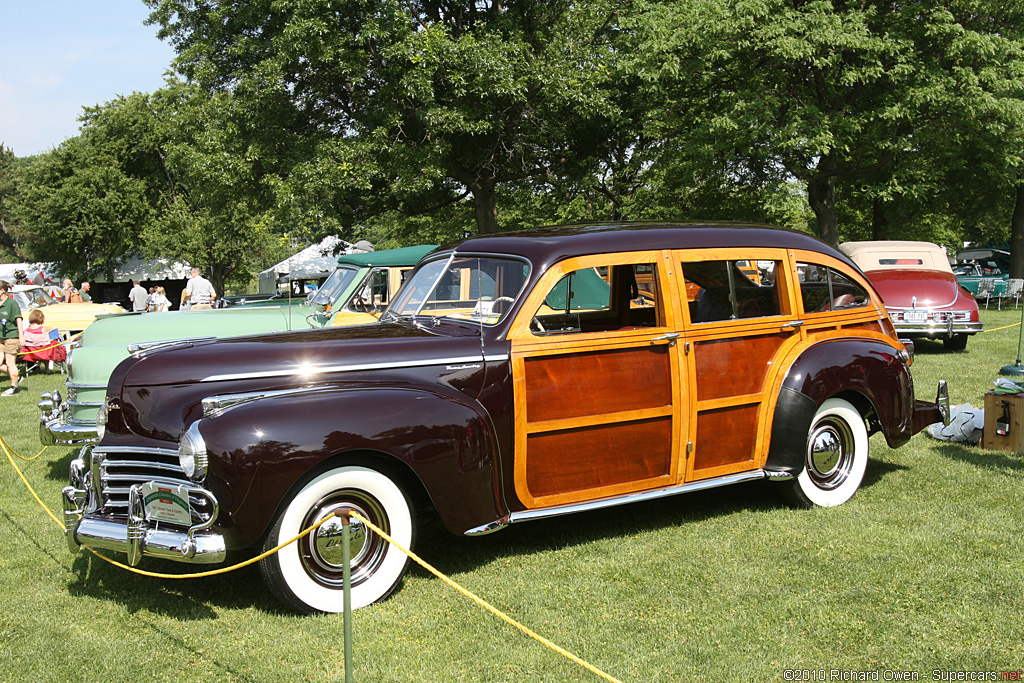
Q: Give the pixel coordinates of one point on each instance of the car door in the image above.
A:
(597, 378)
(741, 320)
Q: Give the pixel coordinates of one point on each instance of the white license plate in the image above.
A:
(166, 503)
(915, 316)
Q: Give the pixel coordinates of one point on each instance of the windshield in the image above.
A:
(478, 288)
(33, 298)
(334, 286)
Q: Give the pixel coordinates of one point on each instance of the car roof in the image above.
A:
(545, 246)
(897, 254)
(404, 256)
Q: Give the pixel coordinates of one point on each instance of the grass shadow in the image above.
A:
(983, 458)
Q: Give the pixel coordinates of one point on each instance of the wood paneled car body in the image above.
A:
(513, 377)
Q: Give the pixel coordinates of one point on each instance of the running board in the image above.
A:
(558, 510)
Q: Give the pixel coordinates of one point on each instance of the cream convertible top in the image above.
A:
(897, 254)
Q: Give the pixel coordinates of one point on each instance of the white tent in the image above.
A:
(314, 262)
(138, 268)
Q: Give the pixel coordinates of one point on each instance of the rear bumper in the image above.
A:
(937, 329)
(926, 413)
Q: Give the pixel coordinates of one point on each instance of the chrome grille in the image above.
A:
(120, 468)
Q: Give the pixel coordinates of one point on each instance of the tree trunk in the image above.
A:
(879, 221)
(485, 207)
(1017, 231)
(821, 195)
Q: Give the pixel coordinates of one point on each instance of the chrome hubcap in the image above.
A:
(830, 453)
(321, 551)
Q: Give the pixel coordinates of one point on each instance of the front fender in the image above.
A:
(869, 373)
(261, 449)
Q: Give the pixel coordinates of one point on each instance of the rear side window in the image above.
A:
(732, 290)
(825, 289)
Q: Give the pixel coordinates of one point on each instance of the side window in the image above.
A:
(825, 289)
(732, 290)
(601, 299)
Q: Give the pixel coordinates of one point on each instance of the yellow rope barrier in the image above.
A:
(21, 457)
(480, 601)
(52, 346)
(1004, 327)
(8, 451)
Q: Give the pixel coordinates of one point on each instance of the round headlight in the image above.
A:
(192, 453)
(101, 419)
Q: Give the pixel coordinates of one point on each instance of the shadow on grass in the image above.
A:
(199, 599)
(980, 457)
(186, 599)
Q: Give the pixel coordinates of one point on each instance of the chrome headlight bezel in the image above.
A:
(101, 419)
(192, 455)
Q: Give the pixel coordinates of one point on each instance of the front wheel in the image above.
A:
(835, 457)
(307, 575)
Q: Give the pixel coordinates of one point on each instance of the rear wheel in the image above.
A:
(835, 457)
(307, 575)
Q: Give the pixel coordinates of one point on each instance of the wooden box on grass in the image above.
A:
(1004, 413)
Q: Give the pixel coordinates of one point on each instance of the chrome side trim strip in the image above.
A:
(78, 385)
(543, 513)
(147, 346)
(218, 405)
(307, 370)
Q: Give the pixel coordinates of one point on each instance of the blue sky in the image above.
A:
(57, 56)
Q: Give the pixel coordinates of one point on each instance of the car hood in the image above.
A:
(161, 390)
(921, 288)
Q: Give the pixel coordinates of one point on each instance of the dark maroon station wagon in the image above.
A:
(513, 377)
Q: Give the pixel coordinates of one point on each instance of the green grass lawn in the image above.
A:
(922, 571)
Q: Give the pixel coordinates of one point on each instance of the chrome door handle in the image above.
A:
(670, 338)
(793, 323)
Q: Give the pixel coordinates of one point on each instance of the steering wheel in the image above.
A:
(502, 298)
(359, 303)
(537, 326)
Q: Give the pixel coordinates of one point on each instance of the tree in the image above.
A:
(826, 91)
(415, 105)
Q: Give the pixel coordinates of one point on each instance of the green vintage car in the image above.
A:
(356, 292)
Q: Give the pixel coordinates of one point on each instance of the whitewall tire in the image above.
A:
(307, 575)
(835, 457)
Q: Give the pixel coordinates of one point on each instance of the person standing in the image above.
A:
(69, 294)
(139, 297)
(200, 292)
(83, 291)
(12, 332)
(161, 304)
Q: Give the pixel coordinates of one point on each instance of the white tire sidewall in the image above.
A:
(387, 574)
(842, 493)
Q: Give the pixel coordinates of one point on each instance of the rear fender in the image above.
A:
(870, 374)
(260, 450)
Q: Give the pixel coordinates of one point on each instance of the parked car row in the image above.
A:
(356, 292)
(512, 377)
(60, 316)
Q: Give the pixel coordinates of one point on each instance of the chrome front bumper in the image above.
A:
(132, 534)
(56, 425)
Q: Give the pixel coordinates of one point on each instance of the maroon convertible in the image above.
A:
(514, 377)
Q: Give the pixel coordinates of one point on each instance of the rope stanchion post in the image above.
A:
(346, 582)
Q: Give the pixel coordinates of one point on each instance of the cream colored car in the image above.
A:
(64, 317)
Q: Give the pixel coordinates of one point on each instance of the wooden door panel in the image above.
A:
(597, 382)
(574, 460)
(725, 436)
(734, 366)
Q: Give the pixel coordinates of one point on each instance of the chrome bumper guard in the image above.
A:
(138, 536)
(56, 427)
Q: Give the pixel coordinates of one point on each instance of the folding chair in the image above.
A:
(1013, 289)
(987, 289)
(50, 353)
